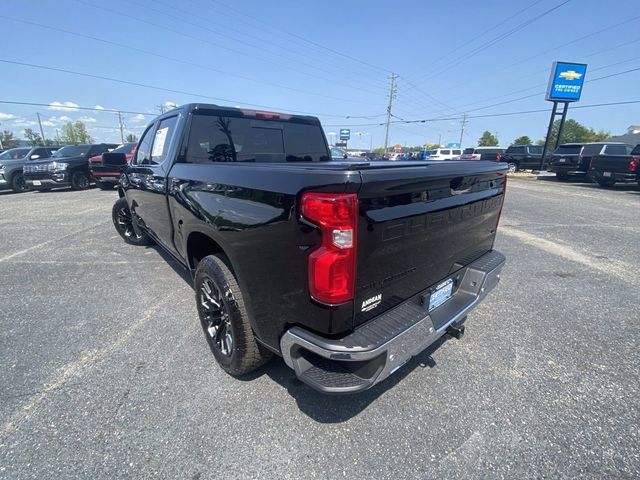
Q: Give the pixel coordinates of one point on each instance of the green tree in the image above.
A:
(131, 138)
(574, 131)
(487, 139)
(73, 133)
(33, 137)
(9, 140)
(523, 140)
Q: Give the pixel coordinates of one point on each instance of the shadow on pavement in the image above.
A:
(325, 408)
(177, 267)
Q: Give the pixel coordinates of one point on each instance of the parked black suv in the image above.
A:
(522, 157)
(68, 167)
(565, 160)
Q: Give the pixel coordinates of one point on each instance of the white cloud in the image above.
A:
(7, 116)
(138, 118)
(87, 119)
(21, 122)
(65, 106)
(99, 107)
(56, 121)
(169, 105)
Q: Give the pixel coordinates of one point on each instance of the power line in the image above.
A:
(565, 44)
(245, 34)
(499, 38)
(178, 60)
(225, 46)
(488, 115)
(306, 40)
(489, 30)
(155, 87)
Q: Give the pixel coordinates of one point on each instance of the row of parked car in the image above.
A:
(78, 166)
(606, 163)
(75, 166)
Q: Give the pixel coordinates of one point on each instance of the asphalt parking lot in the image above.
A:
(105, 372)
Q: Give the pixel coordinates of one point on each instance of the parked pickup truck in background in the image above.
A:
(344, 269)
(12, 161)
(68, 167)
(105, 177)
(610, 168)
(522, 157)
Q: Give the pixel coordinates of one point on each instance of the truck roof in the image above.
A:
(249, 112)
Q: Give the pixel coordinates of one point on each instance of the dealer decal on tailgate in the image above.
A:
(371, 303)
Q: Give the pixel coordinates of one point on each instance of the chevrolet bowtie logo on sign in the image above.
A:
(570, 75)
(565, 82)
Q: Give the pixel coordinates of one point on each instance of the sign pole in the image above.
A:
(546, 140)
(561, 127)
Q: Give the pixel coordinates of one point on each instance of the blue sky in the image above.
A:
(331, 59)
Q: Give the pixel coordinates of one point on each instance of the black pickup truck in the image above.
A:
(345, 269)
(620, 164)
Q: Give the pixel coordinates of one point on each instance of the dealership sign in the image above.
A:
(345, 134)
(565, 82)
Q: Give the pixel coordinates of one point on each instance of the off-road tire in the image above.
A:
(246, 353)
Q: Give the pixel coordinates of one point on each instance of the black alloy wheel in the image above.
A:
(123, 221)
(215, 318)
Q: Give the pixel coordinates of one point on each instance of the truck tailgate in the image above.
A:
(419, 225)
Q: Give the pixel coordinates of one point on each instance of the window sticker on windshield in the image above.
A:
(158, 142)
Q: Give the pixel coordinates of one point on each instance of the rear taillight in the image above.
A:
(633, 164)
(332, 266)
(498, 157)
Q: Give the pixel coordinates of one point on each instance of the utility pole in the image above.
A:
(439, 140)
(121, 126)
(57, 137)
(41, 131)
(464, 124)
(392, 95)
(161, 107)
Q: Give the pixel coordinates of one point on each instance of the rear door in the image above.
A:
(420, 225)
(146, 175)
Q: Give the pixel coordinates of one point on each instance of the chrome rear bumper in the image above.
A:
(379, 347)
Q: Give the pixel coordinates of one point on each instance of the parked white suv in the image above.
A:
(445, 154)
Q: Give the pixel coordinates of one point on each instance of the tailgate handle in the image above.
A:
(459, 186)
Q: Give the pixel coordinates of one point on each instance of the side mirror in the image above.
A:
(345, 156)
(34, 157)
(111, 159)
